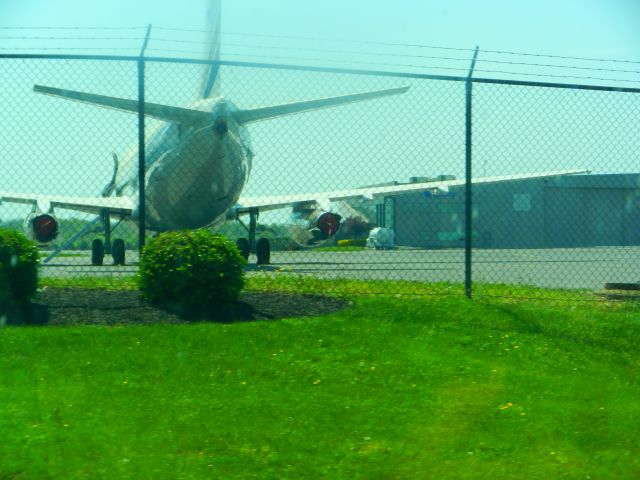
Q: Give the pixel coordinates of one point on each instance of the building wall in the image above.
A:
(570, 211)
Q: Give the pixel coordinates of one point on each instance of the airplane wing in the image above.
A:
(274, 202)
(116, 205)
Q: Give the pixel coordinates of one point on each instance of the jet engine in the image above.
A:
(313, 226)
(326, 224)
(41, 227)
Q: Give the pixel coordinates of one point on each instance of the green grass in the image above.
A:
(431, 386)
(106, 283)
(65, 254)
(269, 281)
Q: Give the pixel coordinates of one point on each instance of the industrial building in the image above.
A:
(566, 211)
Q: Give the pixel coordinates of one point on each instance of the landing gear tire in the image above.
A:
(97, 252)
(263, 252)
(244, 247)
(118, 250)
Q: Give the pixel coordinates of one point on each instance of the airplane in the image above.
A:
(198, 161)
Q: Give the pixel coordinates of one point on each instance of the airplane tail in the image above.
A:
(210, 85)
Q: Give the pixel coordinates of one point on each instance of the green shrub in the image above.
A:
(18, 269)
(191, 269)
(4, 297)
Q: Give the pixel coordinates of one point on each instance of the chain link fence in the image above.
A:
(556, 188)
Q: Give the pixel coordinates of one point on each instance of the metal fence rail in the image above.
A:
(571, 230)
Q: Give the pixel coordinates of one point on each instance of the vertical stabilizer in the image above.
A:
(211, 76)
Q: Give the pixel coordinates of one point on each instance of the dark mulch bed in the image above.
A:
(73, 306)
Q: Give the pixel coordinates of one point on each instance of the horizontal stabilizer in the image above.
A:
(187, 116)
(167, 113)
(264, 113)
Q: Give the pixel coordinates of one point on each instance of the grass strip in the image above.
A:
(431, 386)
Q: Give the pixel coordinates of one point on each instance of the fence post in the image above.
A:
(468, 198)
(142, 216)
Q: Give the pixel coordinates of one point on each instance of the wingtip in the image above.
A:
(43, 89)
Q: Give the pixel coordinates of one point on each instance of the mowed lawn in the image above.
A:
(392, 387)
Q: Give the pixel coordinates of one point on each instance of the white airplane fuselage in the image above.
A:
(194, 174)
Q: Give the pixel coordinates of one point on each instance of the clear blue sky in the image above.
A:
(560, 131)
(602, 28)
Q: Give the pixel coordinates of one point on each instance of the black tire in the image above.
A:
(244, 247)
(118, 250)
(263, 252)
(97, 252)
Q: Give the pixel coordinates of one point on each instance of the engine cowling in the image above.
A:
(311, 227)
(41, 227)
(328, 223)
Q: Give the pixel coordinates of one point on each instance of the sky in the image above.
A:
(600, 28)
(418, 134)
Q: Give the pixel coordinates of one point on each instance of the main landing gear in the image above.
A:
(262, 248)
(263, 252)
(117, 250)
(100, 248)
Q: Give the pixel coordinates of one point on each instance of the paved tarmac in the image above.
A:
(588, 268)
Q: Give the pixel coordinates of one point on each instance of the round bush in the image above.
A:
(191, 268)
(19, 261)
